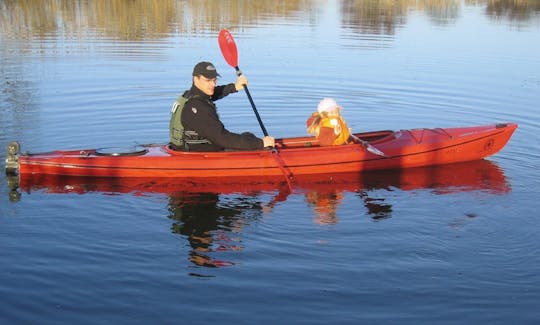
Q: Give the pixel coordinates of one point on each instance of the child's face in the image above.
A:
(335, 111)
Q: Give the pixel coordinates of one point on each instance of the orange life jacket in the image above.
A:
(328, 129)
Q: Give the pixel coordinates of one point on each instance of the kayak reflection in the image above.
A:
(212, 215)
(483, 175)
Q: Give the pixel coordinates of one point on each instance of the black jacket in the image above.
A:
(200, 115)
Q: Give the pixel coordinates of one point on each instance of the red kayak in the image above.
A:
(295, 156)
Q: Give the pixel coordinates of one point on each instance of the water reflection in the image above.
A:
(325, 205)
(212, 215)
(512, 10)
(325, 198)
(211, 224)
(147, 19)
(133, 20)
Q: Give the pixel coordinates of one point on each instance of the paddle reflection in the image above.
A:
(377, 208)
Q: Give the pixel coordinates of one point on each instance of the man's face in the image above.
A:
(204, 84)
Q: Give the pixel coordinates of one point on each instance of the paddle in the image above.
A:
(368, 146)
(230, 53)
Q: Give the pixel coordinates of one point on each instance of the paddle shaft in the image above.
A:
(274, 151)
(239, 73)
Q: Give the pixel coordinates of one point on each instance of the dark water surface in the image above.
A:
(454, 244)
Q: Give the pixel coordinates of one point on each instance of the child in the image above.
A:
(327, 125)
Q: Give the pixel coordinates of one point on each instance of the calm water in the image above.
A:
(458, 244)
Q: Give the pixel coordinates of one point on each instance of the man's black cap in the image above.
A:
(206, 69)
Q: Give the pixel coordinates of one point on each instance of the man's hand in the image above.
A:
(241, 82)
(269, 142)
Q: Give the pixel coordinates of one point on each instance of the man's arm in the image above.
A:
(200, 117)
(222, 91)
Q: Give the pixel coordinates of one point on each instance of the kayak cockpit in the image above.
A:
(310, 141)
(121, 151)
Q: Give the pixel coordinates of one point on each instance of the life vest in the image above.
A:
(179, 137)
(328, 129)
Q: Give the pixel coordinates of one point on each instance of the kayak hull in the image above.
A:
(483, 175)
(293, 157)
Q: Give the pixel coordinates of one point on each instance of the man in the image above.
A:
(195, 124)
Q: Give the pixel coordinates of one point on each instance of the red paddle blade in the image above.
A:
(228, 48)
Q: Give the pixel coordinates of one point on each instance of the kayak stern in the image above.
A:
(12, 158)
